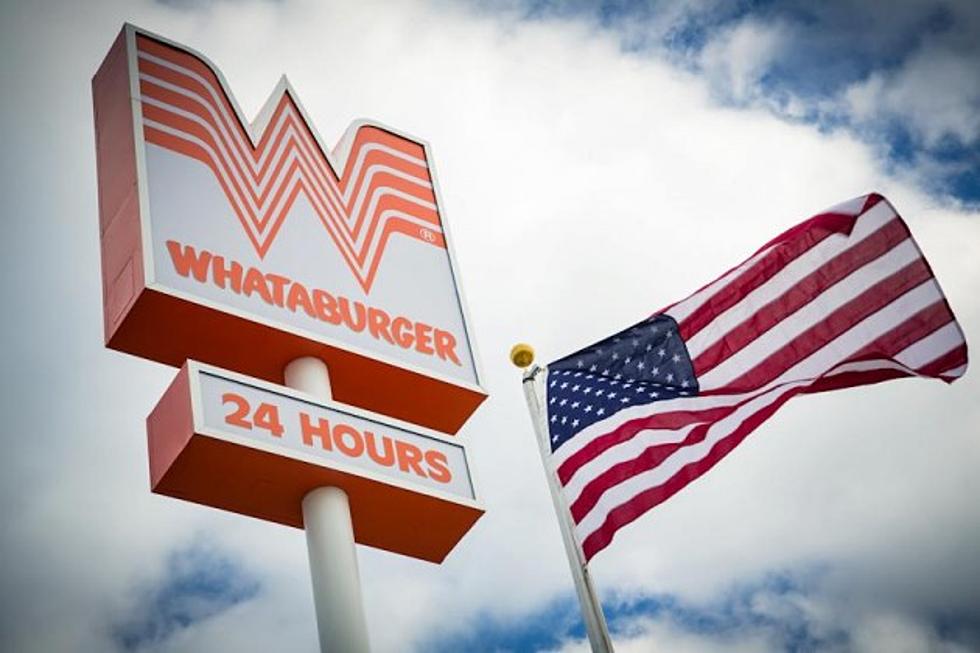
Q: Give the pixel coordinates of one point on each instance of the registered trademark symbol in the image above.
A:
(427, 235)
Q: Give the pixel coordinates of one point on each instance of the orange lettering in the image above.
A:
(446, 346)
(409, 456)
(353, 449)
(278, 287)
(388, 459)
(237, 416)
(186, 261)
(321, 430)
(223, 275)
(299, 297)
(281, 291)
(255, 281)
(355, 325)
(267, 417)
(401, 329)
(378, 322)
(423, 338)
(326, 306)
(438, 466)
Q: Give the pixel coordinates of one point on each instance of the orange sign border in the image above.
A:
(151, 321)
(185, 459)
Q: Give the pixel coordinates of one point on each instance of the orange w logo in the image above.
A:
(386, 187)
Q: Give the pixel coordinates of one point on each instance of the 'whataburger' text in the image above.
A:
(277, 290)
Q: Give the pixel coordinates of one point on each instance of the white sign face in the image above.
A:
(262, 221)
(347, 440)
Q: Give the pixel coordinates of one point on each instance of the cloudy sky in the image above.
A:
(597, 161)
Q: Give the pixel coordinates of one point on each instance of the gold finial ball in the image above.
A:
(522, 354)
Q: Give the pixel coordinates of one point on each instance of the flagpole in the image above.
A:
(595, 621)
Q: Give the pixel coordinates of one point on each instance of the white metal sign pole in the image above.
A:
(595, 621)
(330, 541)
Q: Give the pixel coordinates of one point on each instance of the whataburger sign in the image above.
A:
(246, 246)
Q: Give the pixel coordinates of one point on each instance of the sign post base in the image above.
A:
(333, 566)
(330, 541)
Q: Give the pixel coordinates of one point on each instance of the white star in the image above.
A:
(636, 343)
(564, 419)
(574, 423)
(654, 395)
(676, 358)
(577, 374)
(564, 385)
(611, 395)
(563, 402)
(654, 329)
(615, 356)
(639, 389)
(601, 411)
(553, 384)
(598, 393)
(580, 364)
(640, 365)
(554, 418)
(618, 377)
(670, 377)
(684, 383)
(592, 368)
(575, 404)
(625, 400)
(627, 385)
(552, 400)
(655, 371)
(588, 408)
(661, 353)
(649, 347)
(576, 387)
(605, 372)
(587, 390)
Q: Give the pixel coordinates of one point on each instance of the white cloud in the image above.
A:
(735, 59)
(646, 634)
(936, 93)
(867, 634)
(585, 188)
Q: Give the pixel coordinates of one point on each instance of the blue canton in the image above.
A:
(646, 363)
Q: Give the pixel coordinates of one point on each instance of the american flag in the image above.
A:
(843, 299)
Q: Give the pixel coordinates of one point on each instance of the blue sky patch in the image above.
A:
(770, 606)
(543, 630)
(777, 608)
(912, 66)
(199, 583)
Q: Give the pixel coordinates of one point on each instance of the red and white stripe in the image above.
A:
(385, 189)
(846, 298)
